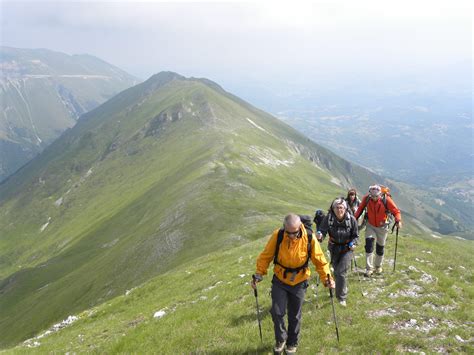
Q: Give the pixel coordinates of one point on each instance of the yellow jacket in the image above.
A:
(293, 253)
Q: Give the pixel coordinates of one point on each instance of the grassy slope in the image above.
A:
(149, 205)
(207, 181)
(210, 308)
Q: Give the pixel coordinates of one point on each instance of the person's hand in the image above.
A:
(319, 236)
(256, 278)
(330, 283)
(399, 224)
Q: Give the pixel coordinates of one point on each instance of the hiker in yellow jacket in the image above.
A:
(290, 277)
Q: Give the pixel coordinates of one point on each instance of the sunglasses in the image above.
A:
(293, 234)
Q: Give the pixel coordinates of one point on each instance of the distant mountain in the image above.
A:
(160, 174)
(42, 93)
(413, 138)
(428, 144)
(417, 132)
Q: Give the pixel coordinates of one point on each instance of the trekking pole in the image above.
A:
(317, 286)
(333, 310)
(396, 246)
(355, 265)
(258, 309)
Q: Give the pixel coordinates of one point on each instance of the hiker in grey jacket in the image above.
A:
(343, 237)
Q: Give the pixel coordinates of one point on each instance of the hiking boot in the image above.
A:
(279, 347)
(343, 303)
(291, 349)
(378, 270)
(368, 273)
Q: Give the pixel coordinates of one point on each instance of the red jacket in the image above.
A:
(376, 210)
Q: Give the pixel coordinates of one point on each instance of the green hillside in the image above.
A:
(162, 173)
(42, 93)
(207, 306)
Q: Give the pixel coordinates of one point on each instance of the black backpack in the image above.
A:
(319, 215)
(318, 218)
(346, 220)
(308, 225)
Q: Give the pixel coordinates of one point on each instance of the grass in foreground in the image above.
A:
(426, 305)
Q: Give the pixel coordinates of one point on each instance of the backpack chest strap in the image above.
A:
(295, 270)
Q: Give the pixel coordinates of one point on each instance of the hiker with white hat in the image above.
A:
(378, 205)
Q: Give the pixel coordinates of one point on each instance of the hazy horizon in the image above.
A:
(301, 45)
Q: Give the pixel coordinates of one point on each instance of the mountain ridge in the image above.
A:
(143, 183)
(45, 92)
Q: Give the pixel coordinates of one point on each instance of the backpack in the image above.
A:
(308, 225)
(346, 220)
(385, 191)
(331, 215)
(318, 218)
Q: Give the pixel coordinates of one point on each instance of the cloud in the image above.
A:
(233, 16)
(272, 38)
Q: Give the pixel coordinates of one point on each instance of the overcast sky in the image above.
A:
(294, 42)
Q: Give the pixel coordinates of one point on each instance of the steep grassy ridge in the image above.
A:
(207, 306)
(161, 174)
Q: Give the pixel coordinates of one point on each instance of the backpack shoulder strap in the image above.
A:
(310, 239)
(330, 219)
(347, 218)
(277, 248)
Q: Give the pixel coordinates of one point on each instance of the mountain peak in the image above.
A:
(162, 78)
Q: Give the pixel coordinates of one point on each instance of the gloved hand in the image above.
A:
(319, 236)
(330, 283)
(256, 278)
(351, 245)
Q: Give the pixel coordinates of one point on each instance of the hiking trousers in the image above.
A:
(287, 297)
(341, 263)
(379, 234)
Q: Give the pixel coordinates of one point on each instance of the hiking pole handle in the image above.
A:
(393, 227)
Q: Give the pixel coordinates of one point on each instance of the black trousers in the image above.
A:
(291, 298)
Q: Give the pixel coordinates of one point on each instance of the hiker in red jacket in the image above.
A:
(378, 206)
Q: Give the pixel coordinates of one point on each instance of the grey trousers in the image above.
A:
(287, 297)
(341, 264)
(380, 236)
